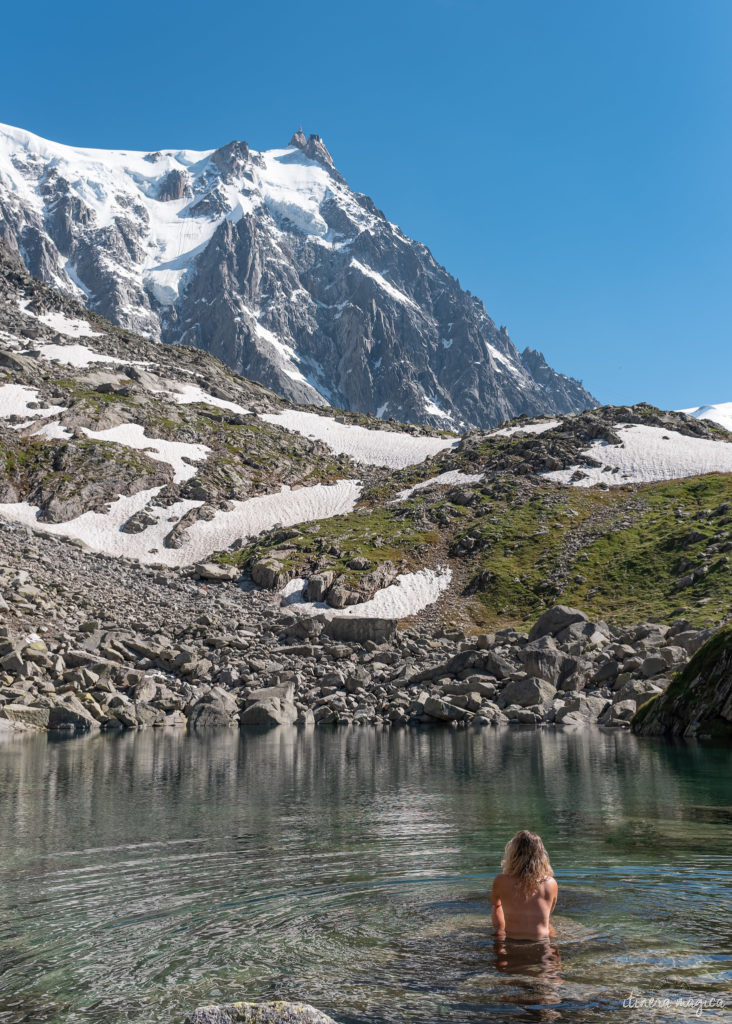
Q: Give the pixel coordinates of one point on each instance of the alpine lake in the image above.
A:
(144, 874)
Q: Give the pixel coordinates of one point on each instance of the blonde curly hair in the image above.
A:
(526, 860)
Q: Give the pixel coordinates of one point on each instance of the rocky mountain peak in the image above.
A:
(271, 262)
(315, 149)
(232, 158)
(174, 186)
(299, 139)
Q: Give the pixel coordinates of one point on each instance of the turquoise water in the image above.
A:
(144, 874)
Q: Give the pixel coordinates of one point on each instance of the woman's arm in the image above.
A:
(497, 918)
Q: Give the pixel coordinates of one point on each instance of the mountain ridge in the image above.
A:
(181, 546)
(269, 261)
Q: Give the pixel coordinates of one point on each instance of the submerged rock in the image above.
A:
(259, 1013)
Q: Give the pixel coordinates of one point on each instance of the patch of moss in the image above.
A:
(633, 573)
(378, 535)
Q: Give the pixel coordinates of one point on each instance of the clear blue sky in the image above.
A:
(570, 161)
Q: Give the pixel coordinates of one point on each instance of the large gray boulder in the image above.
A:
(270, 572)
(216, 708)
(214, 573)
(68, 712)
(318, 584)
(358, 630)
(541, 658)
(555, 619)
(259, 1013)
(269, 707)
(269, 713)
(653, 665)
(443, 710)
(526, 692)
(24, 715)
(580, 706)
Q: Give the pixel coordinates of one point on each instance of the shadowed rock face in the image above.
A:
(699, 700)
(270, 261)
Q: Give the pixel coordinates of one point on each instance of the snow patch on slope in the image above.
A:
(528, 428)
(385, 285)
(448, 479)
(190, 394)
(52, 431)
(371, 447)
(74, 355)
(431, 408)
(647, 454)
(101, 531)
(177, 454)
(67, 325)
(293, 188)
(15, 400)
(409, 594)
(286, 357)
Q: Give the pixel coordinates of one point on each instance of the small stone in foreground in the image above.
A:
(259, 1013)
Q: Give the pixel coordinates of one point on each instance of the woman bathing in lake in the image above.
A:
(525, 894)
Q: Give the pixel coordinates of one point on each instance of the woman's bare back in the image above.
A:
(519, 917)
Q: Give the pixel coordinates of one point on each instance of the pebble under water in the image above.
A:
(144, 874)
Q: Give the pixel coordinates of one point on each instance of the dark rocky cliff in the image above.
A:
(699, 700)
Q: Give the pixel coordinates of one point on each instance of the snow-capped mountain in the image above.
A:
(719, 413)
(269, 261)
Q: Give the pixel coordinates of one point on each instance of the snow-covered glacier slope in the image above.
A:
(720, 413)
(271, 262)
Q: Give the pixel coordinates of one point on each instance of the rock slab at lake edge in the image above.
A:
(259, 1013)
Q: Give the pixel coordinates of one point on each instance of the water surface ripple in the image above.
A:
(144, 874)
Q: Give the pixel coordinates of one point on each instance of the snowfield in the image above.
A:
(190, 394)
(178, 454)
(52, 431)
(529, 428)
(409, 594)
(386, 448)
(15, 400)
(81, 356)
(67, 325)
(648, 454)
(74, 355)
(720, 413)
(101, 531)
(447, 479)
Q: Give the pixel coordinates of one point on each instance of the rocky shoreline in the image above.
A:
(89, 643)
